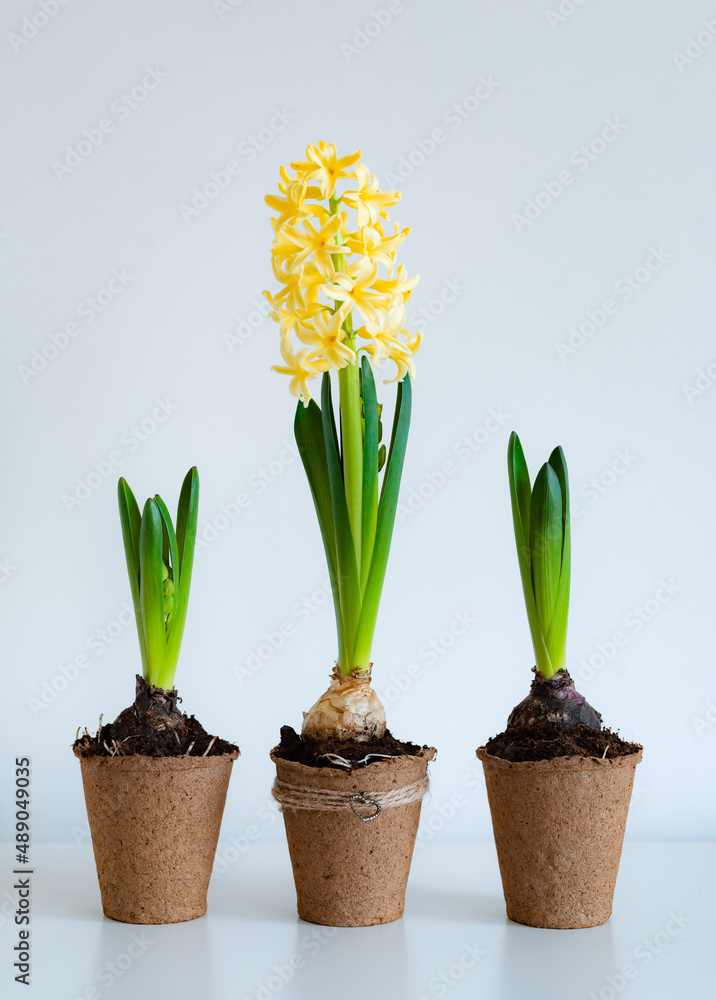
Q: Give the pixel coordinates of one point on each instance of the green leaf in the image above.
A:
(347, 570)
(170, 550)
(151, 594)
(308, 429)
(386, 520)
(131, 521)
(546, 543)
(370, 470)
(521, 497)
(187, 521)
(557, 635)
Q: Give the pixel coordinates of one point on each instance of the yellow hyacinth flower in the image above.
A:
(323, 256)
(403, 357)
(370, 203)
(291, 207)
(324, 332)
(402, 285)
(324, 166)
(301, 369)
(319, 242)
(356, 289)
(371, 242)
(291, 292)
(384, 334)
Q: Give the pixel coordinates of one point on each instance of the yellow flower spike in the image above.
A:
(326, 256)
(369, 202)
(325, 333)
(356, 289)
(319, 242)
(324, 166)
(300, 368)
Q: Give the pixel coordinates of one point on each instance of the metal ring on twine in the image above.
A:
(367, 801)
(327, 800)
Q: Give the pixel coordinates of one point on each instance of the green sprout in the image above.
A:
(541, 520)
(159, 563)
(355, 515)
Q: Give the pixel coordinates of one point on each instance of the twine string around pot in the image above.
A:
(326, 800)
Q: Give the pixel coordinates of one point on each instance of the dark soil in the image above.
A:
(312, 752)
(153, 727)
(545, 741)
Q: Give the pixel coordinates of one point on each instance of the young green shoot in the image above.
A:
(159, 563)
(540, 514)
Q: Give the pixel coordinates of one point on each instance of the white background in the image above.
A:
(174, 333)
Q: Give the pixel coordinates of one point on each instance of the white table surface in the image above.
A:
(663, 929)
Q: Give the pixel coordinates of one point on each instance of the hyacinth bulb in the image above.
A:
(349, 709)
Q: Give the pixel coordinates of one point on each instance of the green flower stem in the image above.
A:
(352, 448)
(351, 419)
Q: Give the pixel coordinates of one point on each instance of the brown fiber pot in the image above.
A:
(350, 873)
(155, 824)
(559, 826)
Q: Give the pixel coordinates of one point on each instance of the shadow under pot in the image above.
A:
(155, 825)
(559, 827)
(351, 836)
